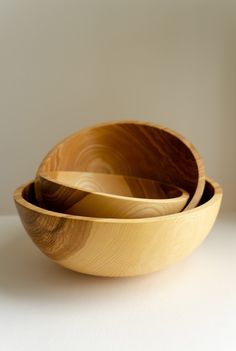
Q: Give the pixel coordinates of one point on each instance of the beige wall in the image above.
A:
(67, 64)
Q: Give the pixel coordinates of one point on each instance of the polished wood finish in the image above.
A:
(117, 247)
(132, 148)
(107, 195)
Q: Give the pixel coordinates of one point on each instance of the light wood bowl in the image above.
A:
(117, 247)
(138, 149)
(107, 195)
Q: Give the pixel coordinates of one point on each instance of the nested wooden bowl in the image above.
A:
(117, 247)
(131, 148)
(107, 195)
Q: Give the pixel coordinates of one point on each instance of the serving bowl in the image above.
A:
(107, 195)
(117, 247)
(138, 149)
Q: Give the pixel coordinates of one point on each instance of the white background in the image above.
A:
(67, 64)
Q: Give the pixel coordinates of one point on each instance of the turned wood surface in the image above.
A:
(132, 148)
(107, 195)
(117, 247)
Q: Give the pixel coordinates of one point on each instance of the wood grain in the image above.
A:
(107, 195)
(117, 247)
(132, 148)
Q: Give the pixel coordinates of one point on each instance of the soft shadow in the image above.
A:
(26, 274)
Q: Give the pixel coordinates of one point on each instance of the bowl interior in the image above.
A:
(113, 184)
(132, 148)
(28, 194)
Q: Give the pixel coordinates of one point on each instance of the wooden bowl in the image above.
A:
(117, 247)
(138, 149)
(107, 195)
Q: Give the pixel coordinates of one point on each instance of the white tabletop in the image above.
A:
(191, 306)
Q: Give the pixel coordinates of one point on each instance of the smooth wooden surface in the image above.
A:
(132, 148)
(193, 302)
(107, 195)
(117, 247)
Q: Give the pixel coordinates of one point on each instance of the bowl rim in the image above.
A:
(198, 159)
(19, 199)
(128, 121)
(183, 196)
